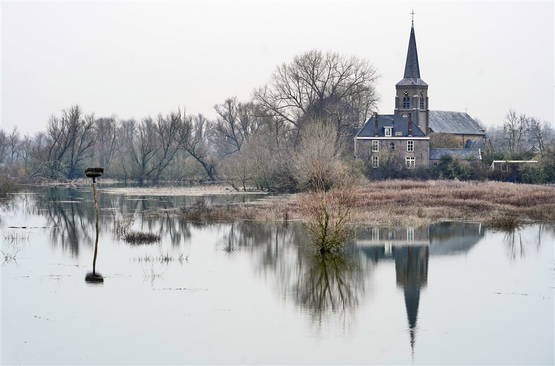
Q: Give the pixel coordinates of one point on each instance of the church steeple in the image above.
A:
(412, 69)
(412, 92)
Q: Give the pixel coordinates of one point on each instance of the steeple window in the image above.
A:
(406, 101)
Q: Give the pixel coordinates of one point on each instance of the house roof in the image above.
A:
(454, 122)
(399, 124)
(466, 154)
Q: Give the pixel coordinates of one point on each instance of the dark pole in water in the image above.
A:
(94, 173)
(97, 229)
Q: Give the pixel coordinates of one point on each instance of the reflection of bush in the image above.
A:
(329, 282)
(320, 283)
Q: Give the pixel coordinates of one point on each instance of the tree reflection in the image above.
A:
(329, 282)
(323, 284)
(519, 241)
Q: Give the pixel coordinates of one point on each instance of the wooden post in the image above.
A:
(97, 226)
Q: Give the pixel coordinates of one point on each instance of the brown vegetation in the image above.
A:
(408, 202)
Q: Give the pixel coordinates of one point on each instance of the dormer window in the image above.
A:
(406, 101)
(388, 131)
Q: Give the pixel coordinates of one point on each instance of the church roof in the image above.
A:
(466, 154)
(399, 123)
(454, 122)
(412, 67)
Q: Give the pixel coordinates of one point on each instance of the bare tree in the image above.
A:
(105, 141)
(237, 122)
(3, 146)
(194, 140)
(13, 145)
(537, 134)
(71, 137)
(321, 86)
(515, 128)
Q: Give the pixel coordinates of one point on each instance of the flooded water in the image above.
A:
(258, 293)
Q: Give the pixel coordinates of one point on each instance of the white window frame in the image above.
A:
(388, 131)
(375, 161)
(410, 162)
(375, 146)
(410, 234)
(410, 146)
(375, 233)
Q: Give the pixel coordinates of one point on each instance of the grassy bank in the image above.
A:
(407, 202)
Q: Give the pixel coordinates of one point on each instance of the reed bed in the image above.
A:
(410, 202)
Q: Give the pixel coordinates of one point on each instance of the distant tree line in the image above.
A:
(250, 143)
(295, 132)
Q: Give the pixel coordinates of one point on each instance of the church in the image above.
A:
(403, 138)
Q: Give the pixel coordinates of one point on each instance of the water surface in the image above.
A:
(252, 292)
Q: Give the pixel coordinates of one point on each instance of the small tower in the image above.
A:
(412, 91)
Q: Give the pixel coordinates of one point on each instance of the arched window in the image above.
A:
(391, 146)
(406, 101)
(422, 101)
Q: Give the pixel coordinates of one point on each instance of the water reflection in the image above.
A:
(323, 286)
(70, 214)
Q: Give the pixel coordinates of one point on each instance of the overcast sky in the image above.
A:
(134, 59)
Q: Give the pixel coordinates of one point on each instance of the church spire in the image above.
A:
(412, 69)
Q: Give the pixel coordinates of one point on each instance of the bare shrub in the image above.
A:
(327, 217)
(317, 163)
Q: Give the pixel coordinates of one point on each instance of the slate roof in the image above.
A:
(412, 81)
(399, 124)
(466, 154)
(412, 67)
(454, 122)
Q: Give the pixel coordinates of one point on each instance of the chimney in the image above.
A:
(410, 124)
(375, 123)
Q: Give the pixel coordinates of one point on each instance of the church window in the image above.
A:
(388, 131)
(422, 101)
(392, 146)
(410, 162)
(406, 101)
(375, 146)
(375, 161)
(410, 146)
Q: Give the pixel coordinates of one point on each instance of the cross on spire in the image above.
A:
(412, 15)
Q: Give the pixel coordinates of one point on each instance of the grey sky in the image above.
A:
(133, 59)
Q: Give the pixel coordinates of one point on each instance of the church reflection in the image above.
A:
(410, 250)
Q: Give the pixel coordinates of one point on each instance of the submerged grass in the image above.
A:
(138, 238)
